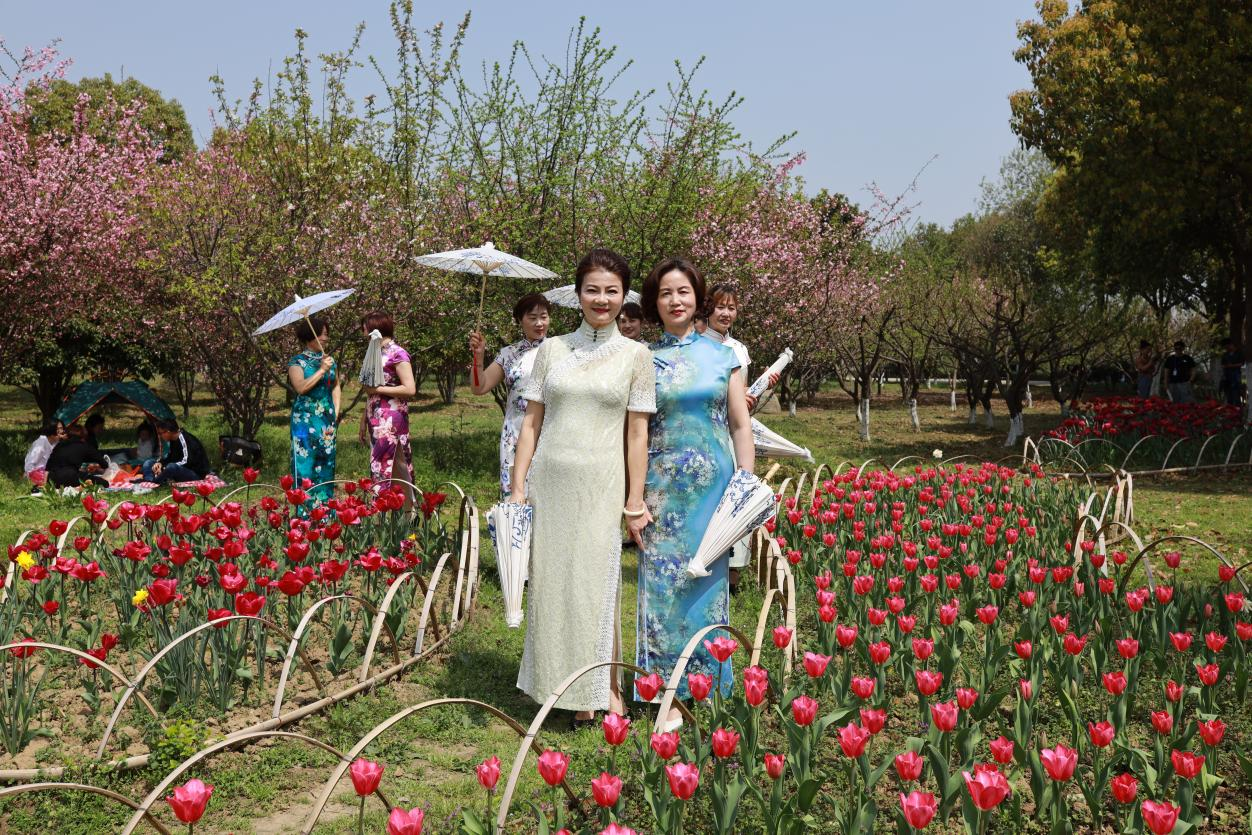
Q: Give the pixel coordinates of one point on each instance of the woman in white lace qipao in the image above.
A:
(586, 388)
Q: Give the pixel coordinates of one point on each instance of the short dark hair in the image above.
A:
(142, 426)
(529, 302)
(1178, 343)
(602, 259)
(167, 425)
(379, 321)
(95, 420)
(631, 310)
(50, 428)
(652, 286)
(309, 329)
(1143, 343)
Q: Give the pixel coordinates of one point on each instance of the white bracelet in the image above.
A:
(634, 513)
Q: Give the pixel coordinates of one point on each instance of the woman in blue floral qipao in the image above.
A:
(315, 412)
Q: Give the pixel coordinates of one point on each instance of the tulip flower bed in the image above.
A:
(200, 599)
(1147, 433)
(962, 660)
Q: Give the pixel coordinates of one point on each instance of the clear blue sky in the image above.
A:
(874, 89)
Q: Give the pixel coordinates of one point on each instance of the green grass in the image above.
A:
(430, 757)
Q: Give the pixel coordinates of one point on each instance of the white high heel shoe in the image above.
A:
(673, 724)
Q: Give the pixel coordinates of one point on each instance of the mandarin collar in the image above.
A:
(596, 336)
(668, 340)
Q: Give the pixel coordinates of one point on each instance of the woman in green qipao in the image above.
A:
(315, 412)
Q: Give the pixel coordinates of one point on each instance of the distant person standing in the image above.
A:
(1179, 371)
(1232, 372)
(1145, 365)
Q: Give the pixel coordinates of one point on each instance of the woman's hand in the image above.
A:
(751, 402)
(517, 497)
(478, 345)
(327, 363)
(636, 524)
(370, 390)
(363, 434)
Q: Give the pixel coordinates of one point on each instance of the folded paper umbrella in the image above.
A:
(769, 444)
(509, 526)
(746, 504)
(567, 296)
(303, 308)
(761, 384)
(485, 260)
(372, 366)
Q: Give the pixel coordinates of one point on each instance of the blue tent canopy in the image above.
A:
(89, 395)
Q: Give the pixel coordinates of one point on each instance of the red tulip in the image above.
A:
(606, 789)
(965, 697)
(928, 683)
(665, 745)
(803, 710)
(1027, 688)
(1024, 649)
(987, 786)
(1163, 721)
(189, 799)
(1243, 630)
(1074, 644)
(782, 637)
(699, 684)
(755, 685)
(721, 647)
(879, 652)
(863, 686)
(815, 665)
(1101, 733)
(944, 715)
(1186, 764)
(1215, 641)
(488, 772)
(366, 775)
(616, 727)
(774, 764)
(1124, 787)
(725, 742)
(249, 603)
(909, 765)
(1173, 690)
(1180, 640)
(852, 739)
(1002, 750)
(684, 779)
(647, 686)
(1127, 647)
(919, 808)
(1208, 673)
(552, 767)
(873, 720)
(1115, 682)
(923, 648)
(1160, 817)
(987, 614)
(1212, 732)
(845, 635)
(401, 822)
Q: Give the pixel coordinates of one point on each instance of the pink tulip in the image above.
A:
(401, 822)
(366, 775)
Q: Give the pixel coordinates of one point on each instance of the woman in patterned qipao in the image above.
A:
(315, 411)
(512, 365)
(385, 421)
(586, 387)
(701, 418)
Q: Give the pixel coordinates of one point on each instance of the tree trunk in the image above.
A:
(446, 382)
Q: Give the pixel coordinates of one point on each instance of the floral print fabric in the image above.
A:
(313, 428)
(689, 466)
(517, 360)
(389, 421)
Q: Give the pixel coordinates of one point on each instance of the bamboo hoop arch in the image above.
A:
(378, 730)
(113, 671)
(428, 600)
(133, 687)
(380, 615)
(529, 739)
(671, 687)
(69, 528)
(305, 621)
(1181, 538)
(25, 788)
(262, 485)
(159, 791)
(12, 567)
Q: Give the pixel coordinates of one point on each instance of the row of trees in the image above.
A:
(124, 249)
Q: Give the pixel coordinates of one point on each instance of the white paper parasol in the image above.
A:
(567, 297)
(303, 308)
(746, 505)
(769, 444)
(509, 525)
(761, 384)
(485, 260)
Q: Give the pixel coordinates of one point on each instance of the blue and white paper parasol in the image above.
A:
(509, 525)
(746, 504)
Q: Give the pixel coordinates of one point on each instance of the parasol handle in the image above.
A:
(482, 295)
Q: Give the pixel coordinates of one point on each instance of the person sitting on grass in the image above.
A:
(147, 447)
(35, 466)
(95, 428)
(74, 461)
(185, 460)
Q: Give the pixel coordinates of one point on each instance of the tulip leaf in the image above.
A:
(989, 702)
(806, 794)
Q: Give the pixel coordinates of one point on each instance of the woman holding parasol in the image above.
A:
(585, 387)
(700, 430)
